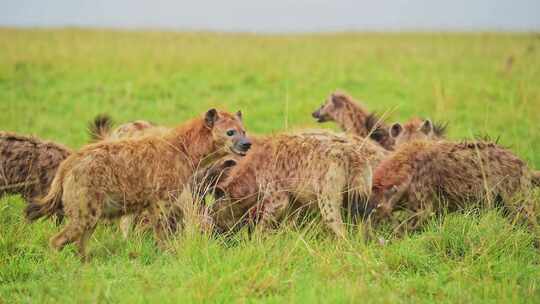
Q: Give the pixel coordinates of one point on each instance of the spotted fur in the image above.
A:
(112, 178)
(303, 170)
(421, 175)
(416, 129)
(353, 118)
(28, 166)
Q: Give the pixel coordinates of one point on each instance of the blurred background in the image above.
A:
(278, 15)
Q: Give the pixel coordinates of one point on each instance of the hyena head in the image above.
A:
(416, 129)
(332, 109)
(131, 129)
(382, 201)
(227, 131)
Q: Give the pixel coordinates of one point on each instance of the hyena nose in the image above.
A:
(245, 146)
(315, 114)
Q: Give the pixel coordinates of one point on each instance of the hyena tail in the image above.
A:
(536, 178)
(51, 204)
(100, 127)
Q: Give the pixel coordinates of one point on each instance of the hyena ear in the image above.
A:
(367, 175)
(210, 118)
(426, 127)
(396, 129)
(239, 115)
(337, 101)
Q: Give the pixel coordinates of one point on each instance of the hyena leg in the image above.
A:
(421, 216)
(70, 233)
(330, 207)
(160, 222)
(78, 230)
(126, 222)
(91, 219)
(273, 208)
(421, 204)
(330, 199)
(81, 243)
(523, 207)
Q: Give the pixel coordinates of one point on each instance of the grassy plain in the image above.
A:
(52, 82)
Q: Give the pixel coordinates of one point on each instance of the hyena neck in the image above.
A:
(353, 119)
(194, 139)
(399, 167)
(241, 181)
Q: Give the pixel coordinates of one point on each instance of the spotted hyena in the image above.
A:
(28, 165)
(428, 177)
(101, 128)
(302, 170)
(109, 179)
(354, 118)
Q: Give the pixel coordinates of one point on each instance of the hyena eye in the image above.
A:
(230, 132)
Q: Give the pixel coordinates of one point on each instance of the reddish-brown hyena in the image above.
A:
(429, 177)
(304, 170)
(354, 118)
(112, 178)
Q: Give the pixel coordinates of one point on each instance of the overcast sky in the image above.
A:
(277, 15)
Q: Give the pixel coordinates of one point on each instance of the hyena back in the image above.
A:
(101, 128)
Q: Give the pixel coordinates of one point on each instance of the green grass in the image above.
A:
(53, 81)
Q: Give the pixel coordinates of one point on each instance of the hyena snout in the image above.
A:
(242, 145)
(320, 115)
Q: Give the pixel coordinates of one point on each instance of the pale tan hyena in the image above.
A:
(101, 128)
(304, 170)
(416, 129)
(112, 178)
(354, 118)
(430, 177)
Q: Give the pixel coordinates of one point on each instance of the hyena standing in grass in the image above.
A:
(353, 118)
(28, 166)
(306, 170)
(112, 178)
(101, 128)
(430, 177)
